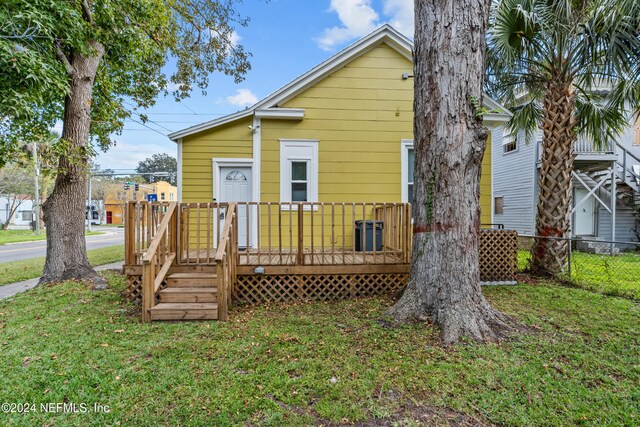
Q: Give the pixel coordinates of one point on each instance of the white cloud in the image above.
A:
(234, 38)
(242, 98)
(357, 17)
(401, 14)
(125, 155)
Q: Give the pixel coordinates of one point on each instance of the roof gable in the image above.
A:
(385, 34)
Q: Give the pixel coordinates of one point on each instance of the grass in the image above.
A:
(16, 236)
(617, 275)
(16, 271)
(320, 363)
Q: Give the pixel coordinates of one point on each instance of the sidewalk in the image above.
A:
(7, 291)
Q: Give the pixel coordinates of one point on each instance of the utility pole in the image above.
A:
(90, 213)
(36, 185)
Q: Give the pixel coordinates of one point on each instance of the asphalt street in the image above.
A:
(18, 251)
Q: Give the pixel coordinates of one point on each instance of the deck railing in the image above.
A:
(158, 257)
(201, 226)
(226, 262)
(141, 223)
(322, 233)
(275, 233)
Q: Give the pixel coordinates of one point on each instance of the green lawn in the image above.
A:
(612, 275)
(321, 363)
(15, 236)
(16, 271)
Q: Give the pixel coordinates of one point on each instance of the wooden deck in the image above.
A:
(255, 252)
(190, 261)
(310, 257)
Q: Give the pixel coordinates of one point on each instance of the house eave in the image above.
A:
(280, 113)
(175, 136)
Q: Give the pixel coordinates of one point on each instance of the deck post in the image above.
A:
(148, 291)
(130, 233)
(300, 254)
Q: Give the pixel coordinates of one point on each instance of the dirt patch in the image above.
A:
(407, 414)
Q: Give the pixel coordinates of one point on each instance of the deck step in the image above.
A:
(191, 280)
(184, 311)
(188, 294)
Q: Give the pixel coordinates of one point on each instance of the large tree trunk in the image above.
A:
(554, 198)
(64, 210)
(449, 145)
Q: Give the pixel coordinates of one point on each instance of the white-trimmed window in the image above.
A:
(407, 161)
(163, 196)
(298, 170)
(509, 142)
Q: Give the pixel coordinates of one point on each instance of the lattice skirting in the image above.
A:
(133, 290)
(498, 255)
(255, 289)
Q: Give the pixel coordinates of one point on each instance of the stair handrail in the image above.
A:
(158, 254)
(226, 261)
(626, 153)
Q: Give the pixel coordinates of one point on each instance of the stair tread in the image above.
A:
(192, 276)
(170, 290)
(185, 306)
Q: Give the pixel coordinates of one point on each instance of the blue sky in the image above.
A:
(286, 38)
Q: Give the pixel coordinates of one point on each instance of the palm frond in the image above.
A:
(600, 118)
(526, 117)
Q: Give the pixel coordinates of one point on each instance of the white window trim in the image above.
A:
(285, 171)
(405, 146)
(508, 138)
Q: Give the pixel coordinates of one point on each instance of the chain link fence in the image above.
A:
(604, 266)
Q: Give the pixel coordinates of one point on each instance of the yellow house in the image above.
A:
(116, 197)
(342, 132)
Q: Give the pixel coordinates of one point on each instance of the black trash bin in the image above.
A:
(364, 238)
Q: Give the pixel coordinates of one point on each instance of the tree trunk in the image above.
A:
(65, 209)
(10, 213)
(450, 141)
(554, 198)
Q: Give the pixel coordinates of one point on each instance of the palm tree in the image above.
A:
(549, 61)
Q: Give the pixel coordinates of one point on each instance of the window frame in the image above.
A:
(509, 139)
(298, 150)
(300, 181)
(405, 146)
(495, 205)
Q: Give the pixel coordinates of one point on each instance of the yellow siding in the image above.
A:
(233, 140)
(359, 114)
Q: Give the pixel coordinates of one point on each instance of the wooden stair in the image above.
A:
(188, 296)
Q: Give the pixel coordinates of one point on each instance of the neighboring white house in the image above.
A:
(21, 217)
(606, 185)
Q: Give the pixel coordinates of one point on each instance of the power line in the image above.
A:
(148, 127)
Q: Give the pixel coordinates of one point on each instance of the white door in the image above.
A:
(585, 214)
(235, 186)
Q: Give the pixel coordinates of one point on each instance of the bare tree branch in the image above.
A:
(63, 58)
(86, 11)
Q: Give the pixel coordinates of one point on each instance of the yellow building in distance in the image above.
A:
(117, 197)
